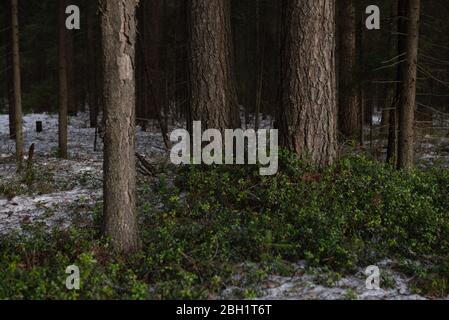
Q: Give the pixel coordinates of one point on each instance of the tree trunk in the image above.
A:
(150, 89)
(390, 90)
(260, 50)
(349, 112)
(392, 149)
(308, 119)
(361, 45)
(17, 81)
(118, 38)
(9, 72)
(140, 67)
(93, 56)
(408, 91)
(72, 92)
(212, 91)
(63, 81)
(152, 60)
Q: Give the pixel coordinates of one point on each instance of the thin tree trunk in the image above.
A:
(308, 119)
(140, 66)
(388, 102)
(119, 40)
(408, 92)
(72, 93)
(92, 53)
(63, 81)
(246, 53)
(361, 44)
(349, 111)
(212, 91)
(392, 149)
(17, 82)
(152, 55)
(11, 104)
(389, 90)
(260, 51)
(9, 73)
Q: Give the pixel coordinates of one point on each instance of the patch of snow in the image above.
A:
(80, 137)
(306, 286)
(52, 209)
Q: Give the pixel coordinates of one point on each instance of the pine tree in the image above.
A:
(63, 81)
(17, 81)
(212, 92)
(308, 119)
(407, 101)
(349, 101)
(118, 42)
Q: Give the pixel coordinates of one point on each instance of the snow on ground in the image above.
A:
(60, 191)
(304, 285)
(52, 209)
(80, 137)
(71, 183)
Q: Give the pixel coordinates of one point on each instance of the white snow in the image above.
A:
(52, 209)
(303, 285)
(80, 137)
(84, 162)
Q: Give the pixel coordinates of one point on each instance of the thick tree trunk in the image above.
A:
(308, 119)
(63, 81)
(17, 81)
(119, 37)
(212, 91)
(408, 92)
(349, 101)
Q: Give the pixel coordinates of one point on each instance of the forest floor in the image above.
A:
(68, 190)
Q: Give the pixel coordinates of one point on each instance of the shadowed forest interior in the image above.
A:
(358, 92)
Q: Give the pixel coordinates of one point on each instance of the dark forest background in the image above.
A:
(347, 193)
(162, 57)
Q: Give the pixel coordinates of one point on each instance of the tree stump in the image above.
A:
(39, 127)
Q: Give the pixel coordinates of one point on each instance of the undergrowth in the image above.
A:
(202, 225)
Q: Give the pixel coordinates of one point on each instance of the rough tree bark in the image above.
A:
(17, 81)
(349, 101)
(308, 118)
(212, 92)
(119, 38)
(63, 81)
(408, 89)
